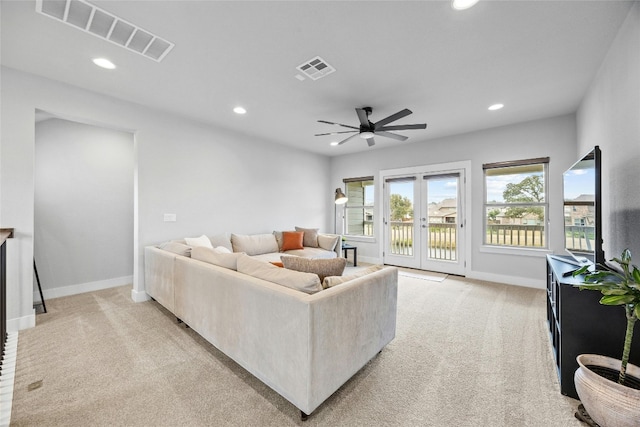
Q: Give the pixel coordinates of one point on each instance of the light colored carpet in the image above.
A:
(467, 353)
(422, 275)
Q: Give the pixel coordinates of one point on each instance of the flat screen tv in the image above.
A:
(583, 209)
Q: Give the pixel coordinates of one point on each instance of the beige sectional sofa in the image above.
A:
(304, 346)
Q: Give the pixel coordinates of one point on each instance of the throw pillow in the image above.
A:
(176, 248)
(304, 282)
(328, 242)
(222, 239)
(199, 241)
(222, 250)
(255, 244)
(292, 240)
(310, 236)
(321, 267)
(331, 281)
(221, 259)
(277, 264)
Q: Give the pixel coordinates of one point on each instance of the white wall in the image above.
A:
(212, 179)
(83, 207)
(553, 137)
(610, 117)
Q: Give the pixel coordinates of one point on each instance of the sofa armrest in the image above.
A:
(158, 276)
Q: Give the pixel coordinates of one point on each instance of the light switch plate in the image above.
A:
(169, 217)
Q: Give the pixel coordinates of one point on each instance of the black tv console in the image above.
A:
(579, 324)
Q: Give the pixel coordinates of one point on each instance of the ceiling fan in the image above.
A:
(368, 130)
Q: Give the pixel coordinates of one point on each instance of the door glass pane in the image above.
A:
(401, 217)
(442, 211)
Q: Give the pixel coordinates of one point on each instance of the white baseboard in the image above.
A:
(20, 323)
(139, 296)
(508, 280)
(81, 288)
(367, 260)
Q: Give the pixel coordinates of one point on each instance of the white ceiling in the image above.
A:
(536, 57)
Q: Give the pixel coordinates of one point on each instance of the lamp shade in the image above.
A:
(340, 197)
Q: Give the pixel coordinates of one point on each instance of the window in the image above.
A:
(359, 208)
(516, 206)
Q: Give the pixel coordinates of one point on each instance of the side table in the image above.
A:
(347, 247)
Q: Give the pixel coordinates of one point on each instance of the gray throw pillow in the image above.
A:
(321, 267)
(310, 239)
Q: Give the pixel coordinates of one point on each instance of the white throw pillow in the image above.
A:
(227, 260)
(304, 282)
(327, 242)
(222, 250)
(254, 244)
(176, 248)
(199, 241)
(222, 239)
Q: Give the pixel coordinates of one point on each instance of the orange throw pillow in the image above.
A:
(277, 264)
(292, 240)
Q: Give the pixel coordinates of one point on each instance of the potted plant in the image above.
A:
(609, 388)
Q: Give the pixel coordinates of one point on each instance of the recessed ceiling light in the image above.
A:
(496, 107)
(104, 63)
(239, 110)
(462, 4)
(334, 143)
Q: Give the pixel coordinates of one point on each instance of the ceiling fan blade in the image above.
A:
(403, 127)
(392, 118)
(362, 116)
(392, 135)
(345, 140)
(335, 133)
(339, 124)
(371, 142)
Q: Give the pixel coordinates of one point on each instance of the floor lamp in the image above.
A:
(340, 199)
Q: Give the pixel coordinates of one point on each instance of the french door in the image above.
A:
(424, 220)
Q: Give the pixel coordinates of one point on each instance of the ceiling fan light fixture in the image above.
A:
(366, 135)
(463, 4)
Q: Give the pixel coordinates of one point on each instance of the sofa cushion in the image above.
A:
(216, 257)
(292, 240)
(198, 241)
(327, 242)
(310, 236)
(176, 248)
(254, 244)
(304, 282)
(331, 281)
(321, 267)
(311, 253)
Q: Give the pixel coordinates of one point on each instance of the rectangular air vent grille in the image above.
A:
(316, 68)
(93, 20)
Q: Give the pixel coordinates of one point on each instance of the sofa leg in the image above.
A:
(179, 320)
(303, 416)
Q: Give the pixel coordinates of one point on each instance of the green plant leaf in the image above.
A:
(637, 310)
(626, 256)
(636, 274)
(614, 292)
(617, 299)
(580, 271)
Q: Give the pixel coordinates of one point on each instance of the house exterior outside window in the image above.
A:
(359, 209)
(516, 207)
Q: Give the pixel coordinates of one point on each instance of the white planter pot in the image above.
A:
(608, 403)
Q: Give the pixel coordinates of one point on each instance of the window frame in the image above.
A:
(363, 207)
(486, 206)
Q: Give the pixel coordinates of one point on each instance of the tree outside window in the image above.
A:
(515, 203)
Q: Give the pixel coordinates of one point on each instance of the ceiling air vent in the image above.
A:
(316, 68)
(93, 20)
